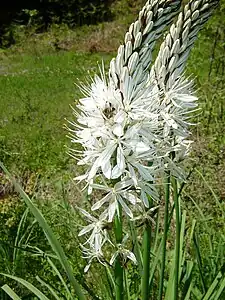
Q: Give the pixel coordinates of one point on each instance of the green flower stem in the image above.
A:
(166, 225)
(146, 262)
(177, 250)
(127, 284)
(118, 271)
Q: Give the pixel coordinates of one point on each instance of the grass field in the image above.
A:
(37, 87)
(36, 90)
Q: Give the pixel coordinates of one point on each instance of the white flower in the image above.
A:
(145, 215)
(148, 191)
(90, 254)
(123, 253)
(121, 194)
(98, 234)
(112, 127)
(177, 107)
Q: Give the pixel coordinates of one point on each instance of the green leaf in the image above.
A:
(20, 227)
(212, 287)
(48, 287)
(196, 292)
(56, 247)
(155, 263)
(187, 287)
(213, 193)
(28, 285)
(60, 277)
(188, 294)
(137, 248)
(199, 260)
(217, 294)
(10, 292)
(110, 280)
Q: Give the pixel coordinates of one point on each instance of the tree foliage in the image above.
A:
(46, 12)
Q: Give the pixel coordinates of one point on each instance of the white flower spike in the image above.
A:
(134, 124)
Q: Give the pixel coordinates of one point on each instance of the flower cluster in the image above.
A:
(134, 124)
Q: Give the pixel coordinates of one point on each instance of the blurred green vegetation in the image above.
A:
(42, 14)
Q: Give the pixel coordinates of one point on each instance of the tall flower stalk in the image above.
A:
(133, 126)
(165, 233)
(118, 266)
(146, 260)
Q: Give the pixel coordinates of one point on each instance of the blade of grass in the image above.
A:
(146, 261)
(127, 285)
(213, 193)
(137, 248)
(209, 230)
(212, 287)
(199, 261)
(176, 271)
(169, 293)
(48, 287)
(155, 262)
(178, 238)
(111, 282)
(10, 292)
(219, 254)
(186, 290)
(188, 293)
(182, 253)
(118, 268)
(196, 292)
(157, 235)
(218, 293)
(20, 228)
(56, 247)
(28, 285)
(165, 232)
(69, 295)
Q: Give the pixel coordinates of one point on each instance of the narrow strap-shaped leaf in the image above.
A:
(187, 287)
(169, 294)
(213, 193)
(10, 292)
(60, 277)
(20, 227)
(127, 288)
(212, 287)
(137, 248)
(196, 292)
(48, 287)
(155, 263)
(28, 285)
(188, 294)
(56, 247)
(110, 279)
(182, 235)
(217, 294)
(199, 260)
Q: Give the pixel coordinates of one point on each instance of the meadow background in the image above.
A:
(41, 59)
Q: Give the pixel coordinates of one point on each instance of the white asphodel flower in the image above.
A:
(123, 253)
(121, 193)
(98, 234)
(91, 254)
(133, 125)
(114, 129)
